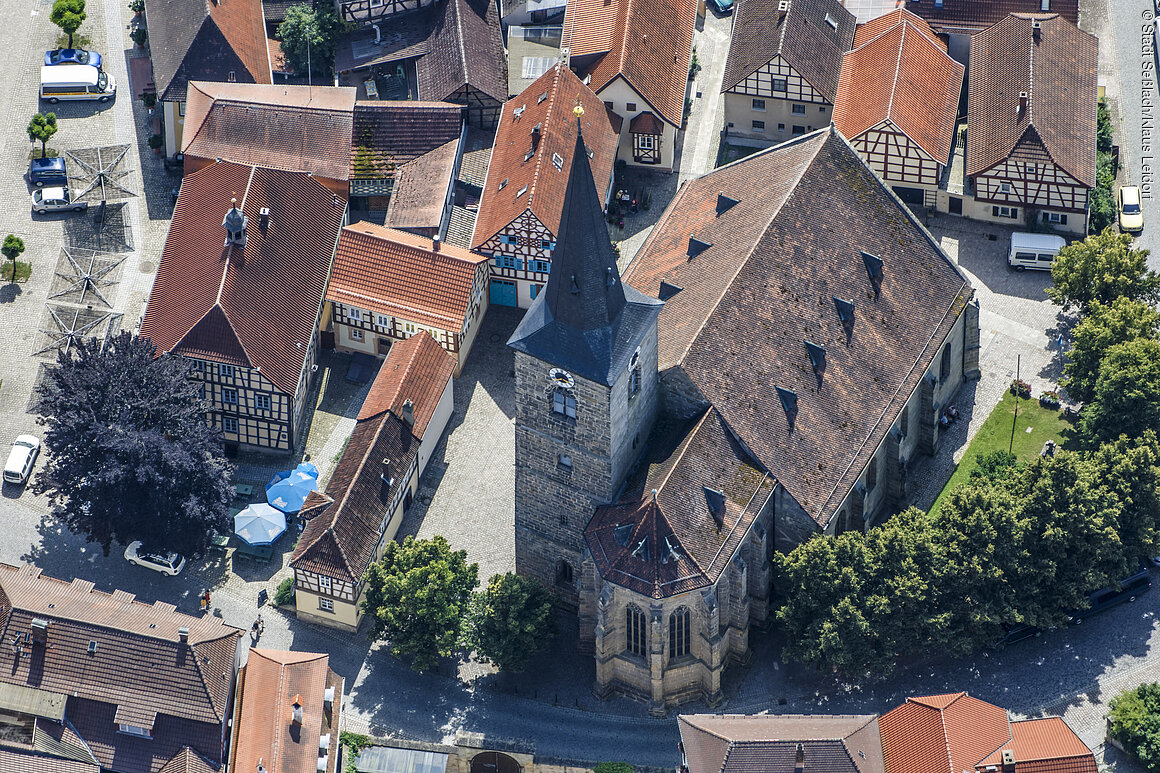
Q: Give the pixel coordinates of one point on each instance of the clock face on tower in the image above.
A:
(561, 378)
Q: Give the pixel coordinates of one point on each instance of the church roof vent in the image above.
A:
(623, 533)
(874, 268)
(725, 203)
(672, 551)
(668, 290)
(817, 356)
(641, 549)
(789, 402)
(697, 246)
(715, 501)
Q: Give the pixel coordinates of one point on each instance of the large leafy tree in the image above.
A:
(129, 453)
(69, 15)
(1101, 268)
(1105, 326)
(417, 595)
(309, 34)
(510, 621)
(41, 129)
(1126, 396)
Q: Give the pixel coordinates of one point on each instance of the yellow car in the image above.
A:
(1131, 218)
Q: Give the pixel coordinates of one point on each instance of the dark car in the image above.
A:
(47, 171)
(1013, 632)
(723, 7)
(72, 56)
(1106, 598)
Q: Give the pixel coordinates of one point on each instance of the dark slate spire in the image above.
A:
(586, 320)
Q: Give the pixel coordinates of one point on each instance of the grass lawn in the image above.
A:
(23, 271)
(1035, 426)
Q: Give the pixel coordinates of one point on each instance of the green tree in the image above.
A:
(40, 129)
(1103, 127)
(309, 35)
(1134, 717)
(417, 595)
(68, 15)
(510, 621)
(13, 246)
(1126, 396)
(1101, 268)
(1129, 471)
(130, 456)
(994, 466)
(1105, 326)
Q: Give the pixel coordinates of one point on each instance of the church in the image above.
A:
(778, 353)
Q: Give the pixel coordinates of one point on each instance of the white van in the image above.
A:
(75, 81)
(1035, 251)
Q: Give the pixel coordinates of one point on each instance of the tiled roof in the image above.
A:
(586, 320)
(399, 274)
(258, 305)
(340, 537)
(731, 743)
(60, 739)
(295, 128)
(763, 278)
(29, 761)
(706, 494)
(902, 75)
(536, 130)
(1044, 745)
(265, 731)
(466, 49)
(1058, 75)
(388, 134)
(421, 187)
(970, 16)
(188, 761)
(941, 733)
(137, 666)
(416, 369)
(801, 36)
(206, 41)
(646, 42)
(404, 37)
(162, 753)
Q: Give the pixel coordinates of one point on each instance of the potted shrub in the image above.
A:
(1049, 399)
(150, 100)
(1020, 388)
(139, 36)
(137, 7)
(155, 142)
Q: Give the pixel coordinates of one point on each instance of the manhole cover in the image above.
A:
(146, 267)
(494, 338)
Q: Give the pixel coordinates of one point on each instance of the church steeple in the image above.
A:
(585, 317)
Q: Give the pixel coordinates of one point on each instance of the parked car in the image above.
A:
(723, 7)
(1106, 598)
(1128, 204)
(1013, 632)
(21, 459)
(48, 200)
(48, 171)
(72, 56)
(165, 562)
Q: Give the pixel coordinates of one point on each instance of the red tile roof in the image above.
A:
(970, 16)
(548, 104)
(941, 733)
(902, 75)
(1057, 72)
(734, 743)
(295, 128)
(665, 536)
(1044, 745)
(399, 274)
(256, 306)
(734, 313)
(416, 369)
(646, 42)
(265, 730)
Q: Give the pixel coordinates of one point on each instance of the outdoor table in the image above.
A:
(243, 490)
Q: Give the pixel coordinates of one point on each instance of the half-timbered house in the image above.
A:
(348, 526)
(223, 41)
(785, 58)
(635, 55)
(387, 285)
(239, 294)
(465, 61)
(1031, 123)
(522, 201)
(898, 96)
(369, 12)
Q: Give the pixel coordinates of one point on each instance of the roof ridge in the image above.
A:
(201, 665)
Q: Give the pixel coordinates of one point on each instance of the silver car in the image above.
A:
(21, 459)
(159, 561)
(48, 200)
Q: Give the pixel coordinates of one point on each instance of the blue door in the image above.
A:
(503, 292)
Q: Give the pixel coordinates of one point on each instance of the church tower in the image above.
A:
(586, 389)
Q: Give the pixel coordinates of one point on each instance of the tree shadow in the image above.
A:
(10, 291)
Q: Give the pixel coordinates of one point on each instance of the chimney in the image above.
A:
(1008, 761)
(435, 243)
(1036, 30)
(39, 630)
(409, 412)
(296, 709)
(782, 9)
(386, 473)
(799, 759)
(264, 217)
(183, 635)
(1022, 102)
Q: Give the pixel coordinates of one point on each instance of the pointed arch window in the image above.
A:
(679, 637)
(636, 635)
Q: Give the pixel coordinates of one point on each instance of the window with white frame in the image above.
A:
(1005, 187)
(140, 732)
(325, 583)
(354, 314)
(646, 141)
(326, 605)
(382, 320)
(1055, 217)
(356, 334)
(1011, 212)
(564, 403)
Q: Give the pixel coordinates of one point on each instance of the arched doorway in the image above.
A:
(493, 762)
